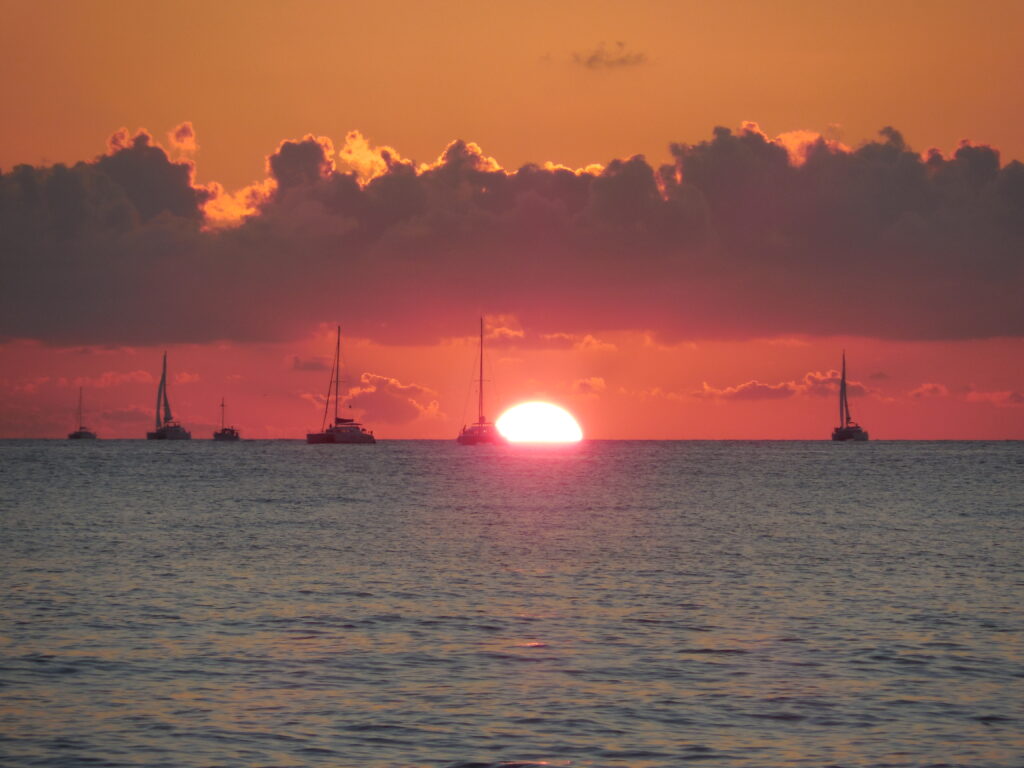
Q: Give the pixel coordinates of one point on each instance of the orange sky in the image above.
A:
(249, 73)
(574, 83)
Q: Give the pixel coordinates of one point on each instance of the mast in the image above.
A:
(160, 391)
(480, 402)
(844, 408)
(222, 413)
(79, 407)
(337, 373)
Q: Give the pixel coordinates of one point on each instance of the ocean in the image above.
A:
(419, 603)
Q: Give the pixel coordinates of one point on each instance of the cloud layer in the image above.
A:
(740, 236)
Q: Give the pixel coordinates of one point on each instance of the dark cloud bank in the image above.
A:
(732, 240)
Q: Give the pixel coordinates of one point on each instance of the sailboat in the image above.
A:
(225, 433)
(848, 429)
(81, 433)
(482, 430)
(341, 430)
(166, 428)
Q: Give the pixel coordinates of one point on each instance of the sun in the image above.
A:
(538, 422)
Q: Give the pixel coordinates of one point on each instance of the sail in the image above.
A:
(163, 385)
(160, 391)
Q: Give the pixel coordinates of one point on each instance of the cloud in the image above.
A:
(999, 398)
(183, 138)
(113, 379)
(813, 384)
(929, 389)
(387, 400)
(603, 56)
(310, 364)
(593, 385)
(737, 237)
(131, 415)
(186, 378)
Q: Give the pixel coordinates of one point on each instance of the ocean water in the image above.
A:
(426, 604)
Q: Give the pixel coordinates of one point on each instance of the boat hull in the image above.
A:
(227, 435)
(842, 434)
(82, 434)
(480, 434)
(170, 432)
(347, 437)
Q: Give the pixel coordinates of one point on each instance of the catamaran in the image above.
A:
(166, 428)
(848, 429)
(225, 433)
(341, 430)
(81, 433)
(481, 431)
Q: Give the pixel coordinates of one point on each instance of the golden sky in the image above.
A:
(510, 76)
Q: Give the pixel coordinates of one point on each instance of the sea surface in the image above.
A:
(417, 603)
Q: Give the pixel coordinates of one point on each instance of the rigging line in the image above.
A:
(343, 366)
(330, 385)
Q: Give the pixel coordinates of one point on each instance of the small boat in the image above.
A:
(166, 428)
(481, 431)
(225, 434)
(848, 429)
(81, 433)
(341, 430)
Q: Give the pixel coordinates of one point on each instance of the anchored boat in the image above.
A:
(166, 428)
(225, 434)
(341, 430)
(82, 433)
(848, 429)
(481, 431)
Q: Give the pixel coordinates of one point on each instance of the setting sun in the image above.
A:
(539, 423)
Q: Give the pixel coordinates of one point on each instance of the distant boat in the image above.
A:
(848, 429)
(225, 433)
(341, 430)
(166, 428)
(481, 431)
(81, 433)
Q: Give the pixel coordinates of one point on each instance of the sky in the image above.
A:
(674, 217)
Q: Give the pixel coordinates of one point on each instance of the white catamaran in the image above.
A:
(482, 431)
(166, 428)
(848, 429)
(341, 430)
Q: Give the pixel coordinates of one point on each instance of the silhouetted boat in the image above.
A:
(225, 434)
(848, 429)
(481, 431)
(81, 433)
(341, 430)
(166, 428)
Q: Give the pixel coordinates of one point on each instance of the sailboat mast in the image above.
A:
(222, 413)
(160, 391)
(79, 407)
(480, 402)
(337, 373)
(844, 409)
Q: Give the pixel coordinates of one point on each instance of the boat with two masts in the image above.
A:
(340, 430)
(848, 429)
(166, 428)
(482, 431)
(225, 434)
(82, 433)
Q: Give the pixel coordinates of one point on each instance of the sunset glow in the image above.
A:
(538, 422)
